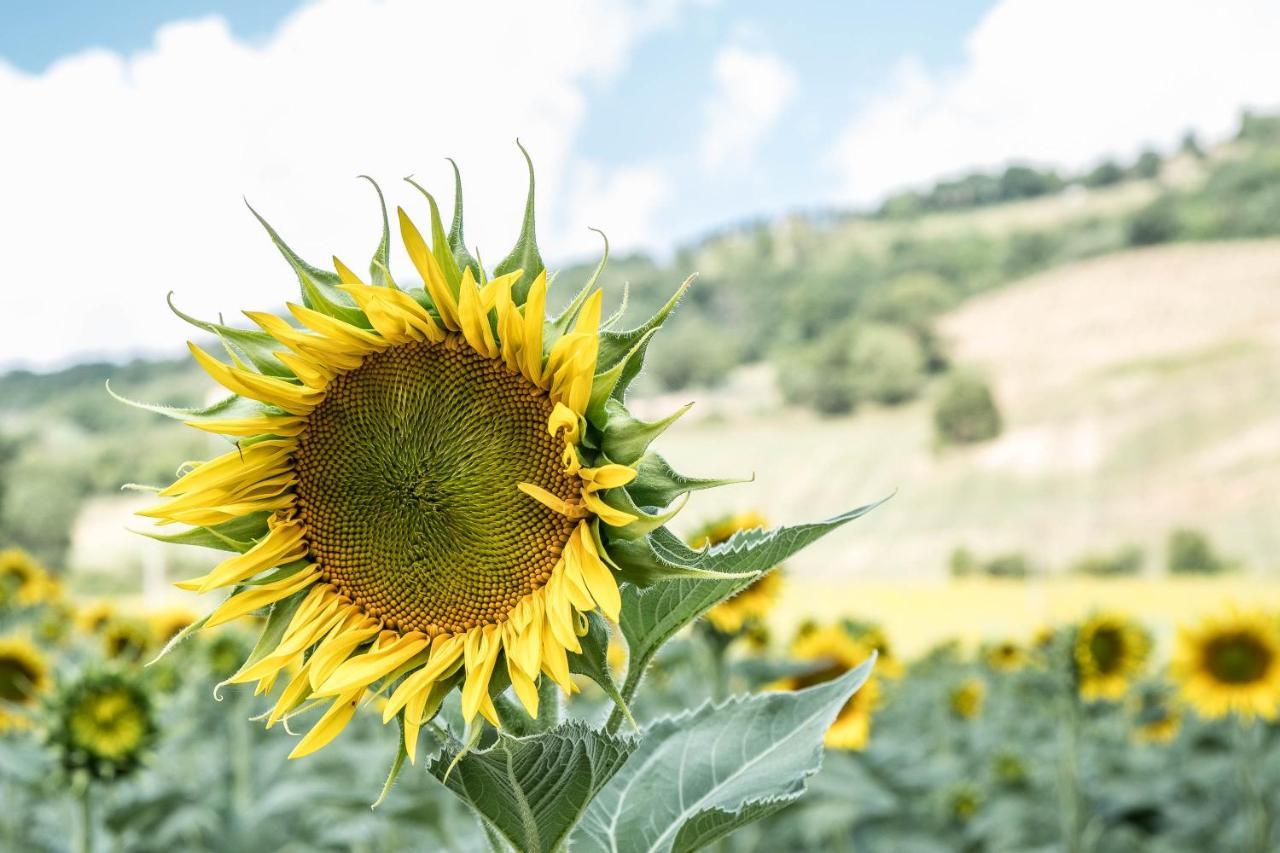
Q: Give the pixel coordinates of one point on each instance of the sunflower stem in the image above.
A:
(84, 838)
(1068, 771)
(1253, 799)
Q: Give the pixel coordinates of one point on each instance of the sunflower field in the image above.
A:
(449, 613)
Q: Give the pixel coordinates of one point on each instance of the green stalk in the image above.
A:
(1069, 797)
(84, 839)
(1252, 798)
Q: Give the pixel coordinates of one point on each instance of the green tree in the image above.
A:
(965, 411)
(887, 363)
(1189, 553)
(1158, 222)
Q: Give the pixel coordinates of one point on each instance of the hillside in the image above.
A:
(1140, 393)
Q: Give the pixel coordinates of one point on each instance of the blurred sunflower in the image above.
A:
(1005, 656)
(168, 623)
(837, 652)
(95, 616)
(1230, 663)
(126, 639)
(874, 637)
(753, 604)
(23, 580)
(24, 673)
(966, 698)
(414, 483)
(103, 724)
(1109, 650)
(55, 622)
(963, 800)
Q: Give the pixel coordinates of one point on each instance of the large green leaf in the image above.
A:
(697, 777)
(533, 790)
(653, 609)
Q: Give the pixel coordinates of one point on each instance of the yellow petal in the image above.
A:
(327, 728)
(283, 544)
(296, 399)
(287, 425)
(432, 276)
(474, 318)
(535, 307)
(564, 418)
(345, 275)
(607, 514)
(260, 596)
(549, 500)
(481, 655)
(609, 476)
(365, 669)
(600, 581)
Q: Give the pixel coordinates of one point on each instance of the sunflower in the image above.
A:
(836, 652)
(24, 674)
(966, 698)
(1230, 663)
(168, 623)
(1156, 716)
(1109, 650)
(874, 637)
(1005, 656)
(23, 580)
(424, 486)
(753, 603)
(56, 621)
(102, 723)
(127, 639)
(94, 617)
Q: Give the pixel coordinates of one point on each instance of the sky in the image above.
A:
(136, 132)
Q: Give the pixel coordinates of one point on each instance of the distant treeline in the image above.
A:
(1187, 552)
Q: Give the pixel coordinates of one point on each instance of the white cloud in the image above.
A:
(751, 90)
(1066, 82)
(623, 203)
(126, 173)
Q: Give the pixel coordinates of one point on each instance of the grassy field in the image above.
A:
(1140, 394)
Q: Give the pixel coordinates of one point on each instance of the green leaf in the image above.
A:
(645, 522)
(237, 535)
(560, 325)
(654, 609)
(594, 661)
(657, 484)
(319, 287)
(258, 348)
(694, 778)
(234, 406)
(457, 242)
(533, 790)
(602, 384)
(625, 438)
(381, 263)
(440, 242)
(524, 256)
(617, 346)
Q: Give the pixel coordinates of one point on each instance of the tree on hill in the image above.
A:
(965, 410)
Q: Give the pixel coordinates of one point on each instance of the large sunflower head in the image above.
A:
(102, 724)
(24, 673)
(752, 605)
(425, 483)
(834, 651)
(1230, 663)
(1109, 651)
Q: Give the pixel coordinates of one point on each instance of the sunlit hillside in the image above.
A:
(1140, 394)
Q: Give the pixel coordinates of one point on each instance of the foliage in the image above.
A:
(1123, 562)
(964, 411)
(1189, 552)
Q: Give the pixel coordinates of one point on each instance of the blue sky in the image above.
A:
(145, 124)
(841, 52)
